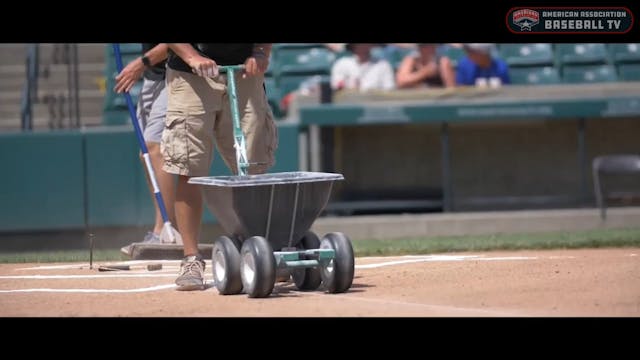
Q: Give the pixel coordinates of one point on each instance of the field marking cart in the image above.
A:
(267, 218)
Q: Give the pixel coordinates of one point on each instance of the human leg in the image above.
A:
(187, 150)
(153, 137)
(147, 121)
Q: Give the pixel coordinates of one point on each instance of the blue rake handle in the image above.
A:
(143, 146)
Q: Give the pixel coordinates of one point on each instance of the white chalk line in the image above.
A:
(48, 290)
(85, 266)
(440, 308)
(143, 274)
(105, 276)
(442, 258)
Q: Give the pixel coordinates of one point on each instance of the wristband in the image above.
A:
(259, 52)
(146, 61)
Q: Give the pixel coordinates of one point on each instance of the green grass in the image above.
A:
(556, 240)
(431, 245)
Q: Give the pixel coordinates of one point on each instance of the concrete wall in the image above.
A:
(42, 186)
(522, 159)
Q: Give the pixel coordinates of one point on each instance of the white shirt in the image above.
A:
(348, 73)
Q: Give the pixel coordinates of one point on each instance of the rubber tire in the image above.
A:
(340, 278)
(228, 249)
(258, 251)
(307, 279)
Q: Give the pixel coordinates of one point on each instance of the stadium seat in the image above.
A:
(270, 70)
(527, 54)
(589, 74)
(618, 164)
(581, 54)
(290, 83)
(110, 68)
(625, 53)
(452, 52)
(378, 53)
(116, 117)
(396, 56)
(126, 48)
(629, 72)
(114, 101)
(543, 75)
(304, 61)
(282, 46)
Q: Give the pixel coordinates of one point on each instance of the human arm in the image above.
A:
(134, 70)
(447, 72)
(199, 64)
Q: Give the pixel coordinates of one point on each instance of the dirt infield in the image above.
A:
(589, 282)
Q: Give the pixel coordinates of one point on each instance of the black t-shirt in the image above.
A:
(157, 71)
(222, 54)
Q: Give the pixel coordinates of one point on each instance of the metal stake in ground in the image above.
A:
(90, 251)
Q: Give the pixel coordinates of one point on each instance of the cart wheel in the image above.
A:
(225, 264)
(337, 275)
(307, 278)
(257, 267)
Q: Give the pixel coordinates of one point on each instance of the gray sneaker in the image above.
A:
(149, 238)
(191, 275)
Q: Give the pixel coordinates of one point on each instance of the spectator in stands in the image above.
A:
(152, 109)
(199, 116)
(479, 67)
(336, 47)
(361, 72)
(425, 68)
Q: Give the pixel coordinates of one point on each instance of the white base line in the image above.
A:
(105, 276)
(432, 307)
(153, 288)
(82, 266)
(441, 258)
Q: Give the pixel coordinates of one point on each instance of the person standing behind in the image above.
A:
(480, 68)
(151, 111)
(199, 114)
(361, 72)
(425, 68)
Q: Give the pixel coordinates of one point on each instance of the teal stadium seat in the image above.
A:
(625, 53)
(589, 74)
(527, 54)
(283, 46)
(569, 54)
(377, 52)
(115, 111)
(290, 83)
(629, 72)
(126, 48)
(455, 54)
(113, 100)
(537, 75)
(304, 61)
(397, 55)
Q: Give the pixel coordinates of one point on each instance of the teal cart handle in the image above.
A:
(238, 136)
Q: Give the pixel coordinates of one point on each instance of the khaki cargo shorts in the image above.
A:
(198, 113)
